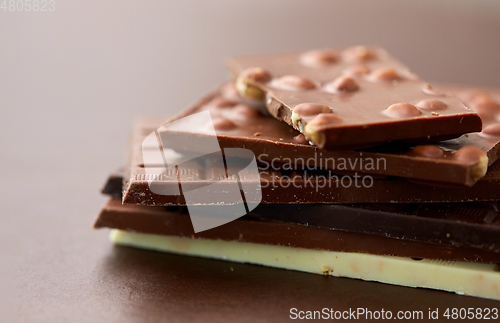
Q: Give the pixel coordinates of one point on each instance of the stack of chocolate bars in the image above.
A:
(339, 162)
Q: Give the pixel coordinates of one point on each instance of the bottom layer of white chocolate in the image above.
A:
(474, 279)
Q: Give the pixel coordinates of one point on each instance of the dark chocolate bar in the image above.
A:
(351, 98)
(158, 220)
(276, 145)
(114, 184)
(290, 186)
(475, 224)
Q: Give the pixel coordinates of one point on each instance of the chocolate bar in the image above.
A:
(464, 278)
(475, 225)
(289, 186)
(237, 124)
(375, 238)
(351, 98)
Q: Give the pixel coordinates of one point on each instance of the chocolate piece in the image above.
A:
(279, 146)
(158, 220)
(474, 224)
(114, 184)
(483, 103)
(285, 186)
(369, 109)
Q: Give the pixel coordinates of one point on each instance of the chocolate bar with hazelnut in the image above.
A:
(239, 124)
(286, 186)
(351, 98)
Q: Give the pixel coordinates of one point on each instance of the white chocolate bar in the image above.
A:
(481, 280)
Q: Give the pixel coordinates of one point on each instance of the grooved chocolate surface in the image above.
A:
(298, 187)
(370, 97)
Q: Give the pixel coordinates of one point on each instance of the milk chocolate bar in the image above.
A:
(351, 98)
(464, 278)
(289, 186)
(260, 227)
(238, 124)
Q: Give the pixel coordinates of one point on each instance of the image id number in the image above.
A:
(28, 5)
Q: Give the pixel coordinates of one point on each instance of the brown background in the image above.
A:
(71, 82)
